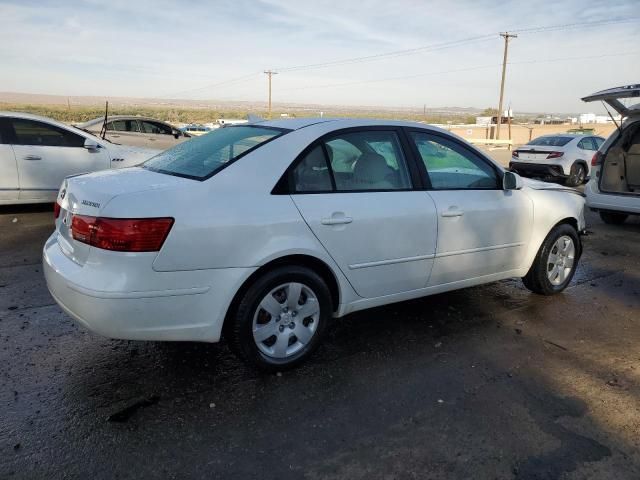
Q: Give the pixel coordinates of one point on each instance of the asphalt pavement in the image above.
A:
(490, 382)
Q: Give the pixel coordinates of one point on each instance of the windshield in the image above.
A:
(551, 141)
(203, 156)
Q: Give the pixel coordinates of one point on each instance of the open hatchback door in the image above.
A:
(613, 97)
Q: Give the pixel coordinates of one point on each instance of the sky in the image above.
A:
(450, 51)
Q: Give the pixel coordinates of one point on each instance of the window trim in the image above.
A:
(283, 132)
(423, 169)
(284, 187)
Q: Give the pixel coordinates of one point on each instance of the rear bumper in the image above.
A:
(610, 202)
(190, 306)
(537, 170)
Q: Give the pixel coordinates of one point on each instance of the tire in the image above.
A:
(285, 348)
(612, 218)
(577, 176)
(540, 279)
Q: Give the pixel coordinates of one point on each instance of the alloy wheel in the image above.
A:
(561, 259)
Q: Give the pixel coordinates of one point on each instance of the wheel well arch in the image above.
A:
(313, 263)
(574, 223)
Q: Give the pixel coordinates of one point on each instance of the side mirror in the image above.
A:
(177, 133)
(511, 181)
(91, 144)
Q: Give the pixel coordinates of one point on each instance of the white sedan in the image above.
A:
(266, 231)
(37, 153)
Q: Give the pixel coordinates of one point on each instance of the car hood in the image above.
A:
(540, 185)
(612, 96)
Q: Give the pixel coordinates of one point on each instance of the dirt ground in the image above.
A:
(489, 382)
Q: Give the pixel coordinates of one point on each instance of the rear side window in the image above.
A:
(551, 141)
(203, 156)
(123, 126)
(587, 143)
(31, 132)
(368, 160)
(599, 141)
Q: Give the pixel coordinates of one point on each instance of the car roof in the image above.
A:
(338, 123)
(31, 116)
(572, 135)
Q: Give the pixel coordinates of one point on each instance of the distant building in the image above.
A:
(484, 120)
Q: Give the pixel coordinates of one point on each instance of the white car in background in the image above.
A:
(561, 156)
(614, 188)
(37, 153)
(266, 231)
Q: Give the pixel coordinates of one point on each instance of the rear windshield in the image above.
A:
(551, 141)
(201, 157)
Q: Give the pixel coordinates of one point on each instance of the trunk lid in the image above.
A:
(535, 153)
(88, 194)
(613, 97)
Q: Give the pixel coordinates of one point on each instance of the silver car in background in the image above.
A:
(137, 131)
(561, 156)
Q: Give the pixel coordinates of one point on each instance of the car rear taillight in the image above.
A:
(555, 155)
(56, 210)
(121, 234)
(596, 159)
(515, 153)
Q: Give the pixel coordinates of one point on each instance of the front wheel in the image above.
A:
(556, 261)
(281, 318)
(577, 176)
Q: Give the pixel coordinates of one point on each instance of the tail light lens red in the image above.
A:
(515, 153)
(121, 234)
(555, 155)
(596, 159)
(56, 210)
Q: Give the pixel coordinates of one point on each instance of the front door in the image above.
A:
(46, 154)
(482, 229)
(355, 192)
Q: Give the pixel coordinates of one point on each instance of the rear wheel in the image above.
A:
(577, 175)
(281, 318)
(555, 263)
(613, 218)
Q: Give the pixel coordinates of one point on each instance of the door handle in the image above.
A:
(32, 157)
(336, 221)
(452, 213)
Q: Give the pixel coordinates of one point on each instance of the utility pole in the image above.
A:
(506, 36)
(270, 73)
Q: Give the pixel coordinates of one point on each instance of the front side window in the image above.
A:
(599, 141)
(31, 132)
(155, 128)
(450, 166)
(203, 156)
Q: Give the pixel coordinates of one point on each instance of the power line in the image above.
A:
(225, 83)
(457, 70)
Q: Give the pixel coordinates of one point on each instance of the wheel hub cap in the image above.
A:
(561, 260)
(286, 320)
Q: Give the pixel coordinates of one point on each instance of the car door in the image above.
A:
(9, 185)
(158, 135)
(587, 147)
(482, 229)
(354, 189)
(126, 131)
(46, 153)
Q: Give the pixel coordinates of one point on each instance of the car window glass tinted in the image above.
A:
(551, 141)
(155, 128)
(31, 132)
(312, 173)
(203, 156)
(123, 126)
(368, 160)
(451, 167)
(599, 141)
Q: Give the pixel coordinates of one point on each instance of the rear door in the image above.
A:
(9, 184)
(355, 190)
(482, 229)
(46, 154)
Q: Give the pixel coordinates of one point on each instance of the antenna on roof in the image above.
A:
(103, 130)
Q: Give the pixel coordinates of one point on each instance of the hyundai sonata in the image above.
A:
(264, 232)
